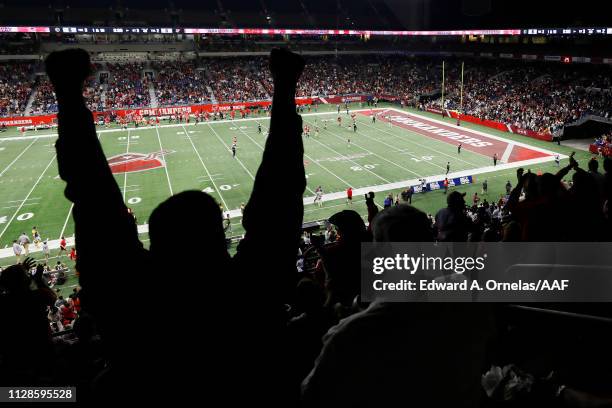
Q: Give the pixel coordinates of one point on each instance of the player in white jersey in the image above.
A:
(17, 250)
(45, 248)
(318, 196)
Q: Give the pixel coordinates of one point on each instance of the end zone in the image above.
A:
(508, 151)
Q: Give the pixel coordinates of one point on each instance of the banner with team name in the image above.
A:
(51, 119)
(439, 184)
(29, 121)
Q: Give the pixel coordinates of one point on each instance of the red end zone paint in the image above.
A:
(133, 162)
(472, 142)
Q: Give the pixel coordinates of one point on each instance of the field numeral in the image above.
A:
(426, 158)
(222, 187)
(25, 216)
(134, 200)
(365, 166)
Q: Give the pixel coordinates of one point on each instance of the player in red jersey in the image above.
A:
(349, 195)
(62, 247)
(72, 255)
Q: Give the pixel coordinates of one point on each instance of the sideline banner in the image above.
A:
(51, 119)
(439, 185)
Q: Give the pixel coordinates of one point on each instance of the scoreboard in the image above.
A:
(599, 31)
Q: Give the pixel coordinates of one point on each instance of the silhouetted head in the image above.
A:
(456, 200)
(183, 217)
(593, 165)
(549, 185)
(402, 223)
(349, 224)
(15, 279)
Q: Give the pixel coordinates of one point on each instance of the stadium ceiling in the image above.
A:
(306, 32)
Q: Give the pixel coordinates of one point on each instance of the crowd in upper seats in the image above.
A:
(15, 87)
(127, 86)
(538, 97)
(44, 99)
(180, 83)
(535, 96)
(236, 79)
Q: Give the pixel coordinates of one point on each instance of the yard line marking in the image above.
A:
(15, 206)
(164, 160)
(420, 145)
(350, 160)
(206, 170)
(17, 158)
(28, 196)
(507, 153)
(371, 152)
(66, 221)
(230, 150)
(262, 149)
(18, 201)
(126, 172)
(324, 168)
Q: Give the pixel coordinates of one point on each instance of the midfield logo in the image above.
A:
(134, 162)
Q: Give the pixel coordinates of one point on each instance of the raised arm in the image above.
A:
(99, 213)
(273, 216)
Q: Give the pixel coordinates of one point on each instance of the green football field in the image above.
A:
(381, 157)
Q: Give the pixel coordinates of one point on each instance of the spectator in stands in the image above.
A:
(341, 259)
(306, 329)
(15, 87)
(141, 354)
(67, 314)
(370, 356)
(597, 176)
(25, 344)
(452, 223)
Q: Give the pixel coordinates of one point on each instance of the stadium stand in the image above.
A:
(535, 96)
(15, 87)
(180, 83)
(232, 79)
(44, 97)
(127, 86)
